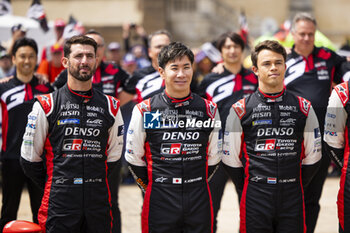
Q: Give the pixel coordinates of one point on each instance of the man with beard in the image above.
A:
(73, 140)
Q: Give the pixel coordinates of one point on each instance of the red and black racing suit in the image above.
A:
(275, 139)
(170, 155)
(17, 99)
(336, 137)
(110, 79)
(78, 137)
(312, 78)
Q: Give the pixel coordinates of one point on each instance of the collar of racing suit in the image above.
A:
(177, 102)
(271, 97)
(83, 96)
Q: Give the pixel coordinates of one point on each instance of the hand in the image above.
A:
(140, 30)
(219, 68)
(42, 78)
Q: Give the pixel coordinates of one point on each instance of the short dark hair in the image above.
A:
(159, 32)
(84, 40)
(173, 51)
(269, 45)
(236, 38)
(25, 41)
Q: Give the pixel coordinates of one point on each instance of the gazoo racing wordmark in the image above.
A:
(154, 120)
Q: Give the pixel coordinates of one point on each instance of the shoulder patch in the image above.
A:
(46, 102)
(211, 108)
(343, 92)
(144, 106)
(304, 105)
(239, 108)
(113, 105)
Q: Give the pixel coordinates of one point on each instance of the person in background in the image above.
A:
(311, 73)
(59, 26)
(224, 89)
(114, 53)
(17, 31)
(6, 67)
(129, 63)
(17, 94)
(51, 69)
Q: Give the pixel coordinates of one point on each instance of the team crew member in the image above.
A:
(225, 89)
(172, 152)
(274, 136)
(17, 98)
(316, 69)
(79, 129)
(146, 82)
(336, 136)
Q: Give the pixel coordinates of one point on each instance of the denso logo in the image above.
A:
(171, 149)
(77, 131)
(275, 131)
(72, 144)
(180, 136)
(265, 145)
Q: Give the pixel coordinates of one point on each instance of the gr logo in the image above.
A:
(265, 145)
(72, 144)
(171, 148)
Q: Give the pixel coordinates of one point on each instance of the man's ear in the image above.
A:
(255, 70)
(64, 62)
(161, 72)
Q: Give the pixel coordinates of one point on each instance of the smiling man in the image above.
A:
(273, 136)
(17, 97)
(173, 146)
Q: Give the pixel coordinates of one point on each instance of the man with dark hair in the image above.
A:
(108, 78)
(226, 88)
(73, 140)
(273, 138)
(17, 97)
(317, 69)
(172, 151)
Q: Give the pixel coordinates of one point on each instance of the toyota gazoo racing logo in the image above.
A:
(72, 144)
(171, 148)
(265, 145)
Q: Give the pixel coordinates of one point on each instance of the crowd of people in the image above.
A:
(180, 122)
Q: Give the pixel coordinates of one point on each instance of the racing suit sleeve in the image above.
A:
(33, 145)
(312, 146)
(232, 150)
(134, 149)
(115, 142)
(215, 148)
(335, 125)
